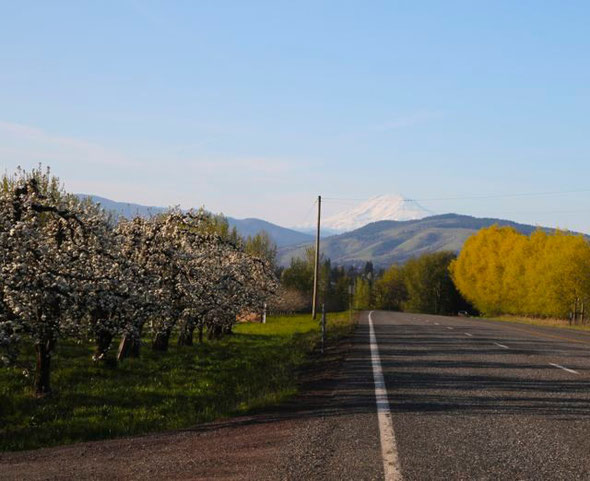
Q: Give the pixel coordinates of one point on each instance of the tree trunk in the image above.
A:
(185, 337)
(43, 371)
(124, 347)
(128, 347)
(214, 332)
(228, 330)
(103, 343)
(135, 348)
(160, 342)
(201, 334)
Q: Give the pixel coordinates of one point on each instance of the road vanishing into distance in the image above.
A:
(417, 397)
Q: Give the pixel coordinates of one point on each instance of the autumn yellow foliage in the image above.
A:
(502, 271)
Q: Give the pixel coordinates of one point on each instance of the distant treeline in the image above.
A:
(504, 272)
(296, 286)
(499, 271)
(423, 284)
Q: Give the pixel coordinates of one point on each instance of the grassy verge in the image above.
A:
(534, 321)
(160, 391)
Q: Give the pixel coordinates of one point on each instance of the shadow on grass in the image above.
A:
(159, 391)
(427, 371)
(433, 372)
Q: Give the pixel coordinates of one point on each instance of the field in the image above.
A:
(255, 367)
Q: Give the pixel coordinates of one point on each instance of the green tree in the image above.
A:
(390, 289)
(262, 246)
(429, 285)
(362, 294)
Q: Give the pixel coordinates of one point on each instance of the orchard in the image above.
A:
(70, 270)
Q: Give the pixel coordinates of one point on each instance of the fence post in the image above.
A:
(323, 327)
(350, 293)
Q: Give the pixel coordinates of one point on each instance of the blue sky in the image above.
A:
(254, 108)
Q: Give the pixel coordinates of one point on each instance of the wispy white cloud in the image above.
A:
(241, 185)
(25, 143)
(280, 189)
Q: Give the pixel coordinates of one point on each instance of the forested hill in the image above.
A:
(388, 242)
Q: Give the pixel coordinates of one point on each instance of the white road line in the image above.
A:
(564, 368)
(467, 334)
(448, 327)
(436, 324)
(388, 444)
(501, 345)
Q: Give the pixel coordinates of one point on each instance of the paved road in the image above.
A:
(468, 400)
(474, 399)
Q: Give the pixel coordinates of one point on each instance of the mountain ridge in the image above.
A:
(392, 242)
(281, 236)
(383, 242)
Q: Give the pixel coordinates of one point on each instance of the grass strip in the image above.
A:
(186, 386)
(536, 321)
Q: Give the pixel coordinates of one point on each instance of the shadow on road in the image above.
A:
(428, 370)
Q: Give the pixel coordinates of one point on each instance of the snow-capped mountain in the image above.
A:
(381, 207)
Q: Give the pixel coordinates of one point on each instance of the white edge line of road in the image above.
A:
(388, 445)
(501, 345)
(564, 368)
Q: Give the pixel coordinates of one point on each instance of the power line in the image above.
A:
(467, 197)
(304, 222)
(541, 212)
(497, 196)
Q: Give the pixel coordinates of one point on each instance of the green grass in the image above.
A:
(535, 321)
(159, 391)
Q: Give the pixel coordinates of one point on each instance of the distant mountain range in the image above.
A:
(282, 236)
(384, 242)
(389, 242)
(124, 209)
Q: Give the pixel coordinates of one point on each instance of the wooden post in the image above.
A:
(323, 327)
(350, 292)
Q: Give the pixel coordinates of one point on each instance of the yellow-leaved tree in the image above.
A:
(504, 272)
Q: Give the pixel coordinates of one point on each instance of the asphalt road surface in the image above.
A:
(473, 399)
(423, 398)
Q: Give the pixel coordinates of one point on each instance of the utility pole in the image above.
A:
(316, 272)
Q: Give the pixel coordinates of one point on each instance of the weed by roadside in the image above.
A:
(534, 321)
